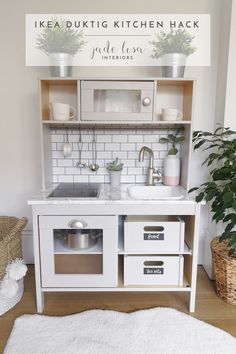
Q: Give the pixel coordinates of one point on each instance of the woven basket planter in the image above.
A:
(10, 240)
(225, 271)
(10, 248)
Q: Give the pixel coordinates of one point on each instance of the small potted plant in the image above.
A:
(173, 48)
(115, 168)
(220, 191)
(60, 43)
(171, 171)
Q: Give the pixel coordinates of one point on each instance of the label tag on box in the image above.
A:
(153, 236)
(153, 271)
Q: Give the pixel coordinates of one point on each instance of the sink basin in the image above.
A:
(155, 192)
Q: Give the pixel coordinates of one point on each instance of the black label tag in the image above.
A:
(147, 236)
(153, 271)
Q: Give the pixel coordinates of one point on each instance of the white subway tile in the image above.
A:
(96, 178)
(57, 138)
(57, 154)
(163, 154)
(135, 171)
(65, 178)
(100, 147)
(120, 138)
(58, 170)
(135, 138)
(72, 171)
(104, 154)
(122, 155)
(127, 147)
(127, 179)
(54, 179)
(81, 179)
(104, 138)
(150, 139)
(54, 163)
(140, 178)
(133, 155)
(112, 147)
(64, 162)
(54, 146)
(129, 163)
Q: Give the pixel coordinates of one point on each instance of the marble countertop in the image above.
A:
(107, 195)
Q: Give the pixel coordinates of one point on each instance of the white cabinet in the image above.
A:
(62, 266)
(117, 100)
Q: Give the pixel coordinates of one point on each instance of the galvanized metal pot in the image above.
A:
(173, 65)
(60, 64)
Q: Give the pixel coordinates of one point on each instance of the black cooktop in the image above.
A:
(75, 190)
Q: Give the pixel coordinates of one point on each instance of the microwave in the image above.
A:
(116, 100)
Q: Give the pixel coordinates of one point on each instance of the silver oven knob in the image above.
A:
(146, 101)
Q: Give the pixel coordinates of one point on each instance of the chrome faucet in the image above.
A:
(151, 173)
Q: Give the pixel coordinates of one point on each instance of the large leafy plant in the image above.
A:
(220, 190)
(59, 39)
(176, 41)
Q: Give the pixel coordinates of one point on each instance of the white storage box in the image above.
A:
(154, 234)
(153, 270)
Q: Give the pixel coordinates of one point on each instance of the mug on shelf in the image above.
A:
(171, 114)
(62, 111)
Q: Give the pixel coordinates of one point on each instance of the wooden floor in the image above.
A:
(209, 307)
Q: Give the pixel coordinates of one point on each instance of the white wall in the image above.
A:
(229, 117)
(19, 128)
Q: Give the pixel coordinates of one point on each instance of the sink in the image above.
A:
(154, 192)
(76, 190)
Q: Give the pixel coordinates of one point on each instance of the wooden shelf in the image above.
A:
(61, 248)
(147, 125)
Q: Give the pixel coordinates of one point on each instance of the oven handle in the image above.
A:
(77, 224)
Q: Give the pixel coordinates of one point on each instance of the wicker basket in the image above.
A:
(225, 271)
(10, 240)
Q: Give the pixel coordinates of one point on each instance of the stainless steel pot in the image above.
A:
(82, 239)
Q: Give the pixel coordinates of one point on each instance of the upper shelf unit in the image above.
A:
(117, 101)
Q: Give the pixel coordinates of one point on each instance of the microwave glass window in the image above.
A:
(116, 101)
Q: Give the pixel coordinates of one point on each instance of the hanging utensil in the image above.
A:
(94, 166)
(67, 147)
(80, 143)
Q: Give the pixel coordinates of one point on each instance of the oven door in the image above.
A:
(79, 251)
(117, 100)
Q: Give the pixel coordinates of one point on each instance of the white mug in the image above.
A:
(171, 114)
(62, 111)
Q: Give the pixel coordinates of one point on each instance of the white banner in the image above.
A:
(117, 39)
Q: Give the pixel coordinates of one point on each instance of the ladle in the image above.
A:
(94, 166)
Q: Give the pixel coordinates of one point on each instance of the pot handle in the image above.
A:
(77, 224)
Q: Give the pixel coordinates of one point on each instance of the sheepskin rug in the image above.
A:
(154, 331)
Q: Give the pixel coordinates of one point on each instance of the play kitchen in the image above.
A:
(104, 220)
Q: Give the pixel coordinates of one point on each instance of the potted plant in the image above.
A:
(220, 191)
(60, 43)
(173, 48)
(171, 171)
(115, 168)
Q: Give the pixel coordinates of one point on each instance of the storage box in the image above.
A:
(154, 234)
(153, 270)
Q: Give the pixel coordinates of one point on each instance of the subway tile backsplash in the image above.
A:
(122, 143)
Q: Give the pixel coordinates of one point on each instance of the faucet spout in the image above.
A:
(151, 173)
(148, 150)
